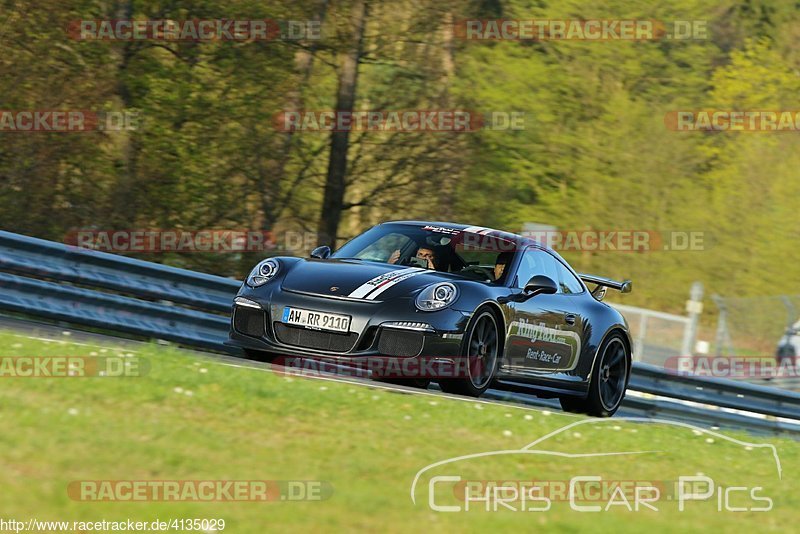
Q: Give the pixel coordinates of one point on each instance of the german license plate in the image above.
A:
(316, 320)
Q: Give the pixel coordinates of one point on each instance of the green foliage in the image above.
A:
(594, 152)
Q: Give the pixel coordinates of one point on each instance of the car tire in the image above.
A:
(482, 348)
(608, 383)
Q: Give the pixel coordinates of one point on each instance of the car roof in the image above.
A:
(522, 240)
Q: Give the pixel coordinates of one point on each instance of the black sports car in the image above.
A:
(477, 306)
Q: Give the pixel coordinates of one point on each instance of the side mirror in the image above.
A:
(540, 284)
(321, 253)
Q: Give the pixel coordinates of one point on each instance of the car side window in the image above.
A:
(535, 261)
(567, 282)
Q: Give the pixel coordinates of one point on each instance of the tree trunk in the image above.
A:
(126, 198)
(275, 180)
(335, 184)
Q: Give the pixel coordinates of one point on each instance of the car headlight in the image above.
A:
(436, 297)
(263, 273)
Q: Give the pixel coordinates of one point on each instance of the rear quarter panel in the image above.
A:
(600, 321)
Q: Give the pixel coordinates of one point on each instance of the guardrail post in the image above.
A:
(694, 307)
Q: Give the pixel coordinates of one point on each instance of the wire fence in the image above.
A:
(764, 330)
(756, 326)
(657, 336)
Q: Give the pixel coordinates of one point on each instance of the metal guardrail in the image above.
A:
(786, 383)
(43, 279)
(717, 391)
(37, 258)
(111, 312)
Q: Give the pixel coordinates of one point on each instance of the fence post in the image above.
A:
(638, 353)
(722, 341)
(791, 311)
(694, 307)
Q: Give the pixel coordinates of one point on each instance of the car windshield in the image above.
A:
(441, 248)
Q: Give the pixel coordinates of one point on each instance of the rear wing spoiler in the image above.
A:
(603, 283)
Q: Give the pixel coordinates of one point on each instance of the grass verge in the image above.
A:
(192, 418)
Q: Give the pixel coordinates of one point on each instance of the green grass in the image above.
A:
(367, 443)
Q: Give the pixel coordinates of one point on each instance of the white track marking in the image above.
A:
(391, 387)
(663, 422)
(68, 342)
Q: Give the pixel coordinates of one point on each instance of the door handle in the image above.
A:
(569, 318)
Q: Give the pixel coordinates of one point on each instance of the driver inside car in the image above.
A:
(424, 254)
(500, 264)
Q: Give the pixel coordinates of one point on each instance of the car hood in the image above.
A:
(358, 279)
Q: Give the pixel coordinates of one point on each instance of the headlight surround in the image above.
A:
(436, 297)
(263, 273)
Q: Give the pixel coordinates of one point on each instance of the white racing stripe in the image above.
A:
(392, 282)
(387, 278)
(372, 288)
(477, 230)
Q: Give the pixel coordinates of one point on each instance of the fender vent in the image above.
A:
(249, 321)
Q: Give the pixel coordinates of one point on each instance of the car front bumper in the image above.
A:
(377, 329)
